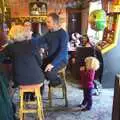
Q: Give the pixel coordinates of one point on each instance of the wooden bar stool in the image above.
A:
(64, 89)
(38, 101)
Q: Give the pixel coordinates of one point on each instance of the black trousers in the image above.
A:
(52, 75)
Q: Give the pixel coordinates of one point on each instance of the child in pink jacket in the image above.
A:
(87, 74)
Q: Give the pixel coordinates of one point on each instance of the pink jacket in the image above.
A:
(86, 78)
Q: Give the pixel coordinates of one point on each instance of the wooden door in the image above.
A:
(74, 20)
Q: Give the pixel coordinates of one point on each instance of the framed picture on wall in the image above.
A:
(38, 9)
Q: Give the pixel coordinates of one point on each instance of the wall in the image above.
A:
(111, 66)
(63, 16)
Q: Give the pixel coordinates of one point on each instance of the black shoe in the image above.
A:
(82, 106)
(85, 109)
(95, 92)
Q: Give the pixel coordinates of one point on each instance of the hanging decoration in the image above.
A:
(38, 8)
(97, 20)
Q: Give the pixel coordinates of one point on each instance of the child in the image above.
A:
(87, 74)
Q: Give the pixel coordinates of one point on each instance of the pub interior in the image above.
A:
(93, 27)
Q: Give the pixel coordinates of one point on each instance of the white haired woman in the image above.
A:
(26, 69)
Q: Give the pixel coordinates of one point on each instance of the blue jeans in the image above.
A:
(87, 93)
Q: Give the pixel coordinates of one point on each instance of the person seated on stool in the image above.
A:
(87, 74)
(55, 40)
(26, 70)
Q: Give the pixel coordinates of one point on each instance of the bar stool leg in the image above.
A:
(50, 96)
(21, 105)
(64, 89)
(65, 96)
(40, 106)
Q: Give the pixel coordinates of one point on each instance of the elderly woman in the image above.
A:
(26, 65)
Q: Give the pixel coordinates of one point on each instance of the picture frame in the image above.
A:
(37, 9)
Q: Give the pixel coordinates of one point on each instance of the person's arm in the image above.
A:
(63, 52)
(42, 41)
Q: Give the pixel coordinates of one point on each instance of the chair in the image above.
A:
(37, 101)
(64, 89)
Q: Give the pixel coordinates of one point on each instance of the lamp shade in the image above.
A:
(97, 20)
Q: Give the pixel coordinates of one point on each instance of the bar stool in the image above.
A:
(64, 89)
(38, 101)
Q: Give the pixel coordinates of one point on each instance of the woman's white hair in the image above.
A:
(17, 33)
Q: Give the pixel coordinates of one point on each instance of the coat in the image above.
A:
(26, 67)
(87, 78)
(6, 109)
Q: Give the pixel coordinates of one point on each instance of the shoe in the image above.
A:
(95, 92)
(82, 106)
(85, 109)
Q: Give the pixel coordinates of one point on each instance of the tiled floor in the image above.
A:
(101, 110)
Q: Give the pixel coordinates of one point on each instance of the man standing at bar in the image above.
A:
(55, 40)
